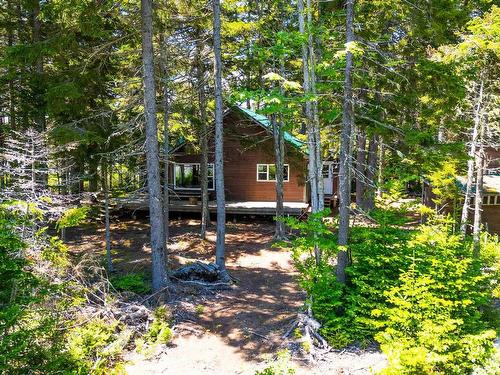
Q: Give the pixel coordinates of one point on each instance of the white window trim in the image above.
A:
(267, 173)
(491, 200)
(195, 189)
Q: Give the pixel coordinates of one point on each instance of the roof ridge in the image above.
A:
(266, 123)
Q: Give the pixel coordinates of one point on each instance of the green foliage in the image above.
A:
(390, 215)
(421, 294)
(56, 252)
(199, 309)
(280, 366)
(96, 346)
(131, 282)
(444, 183)
(72, 217)
(160, 331)
(37, 332)
(29, 339)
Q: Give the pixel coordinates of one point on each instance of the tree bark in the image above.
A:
(314, 106)
(10, 43)
(104, 172)
(152, 157)
(279, 150)
(202, 102)
(166, 142)
(369, 198)
(311, 138)
(93, 176)
(37, 26)
(380, 168)
(478, 201)
(361, 169)
(220, 258)
(345, 152)
(470, 163)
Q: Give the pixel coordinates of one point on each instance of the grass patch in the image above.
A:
(131, 282)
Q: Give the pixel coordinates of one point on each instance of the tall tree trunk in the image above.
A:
(166, 140)
(311, 138)
(10, 43)
(105, 190)
(152, 157)
(380, 168)
(93, 177)
(220, 257)
(39, 120)
(345, 152)
(202, 102)
(37, 26)
(314, 107)
(478, 201)
(279, 150)
(470, 163)
(369, 199)
(361, 168)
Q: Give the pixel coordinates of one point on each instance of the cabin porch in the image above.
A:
(140, 203)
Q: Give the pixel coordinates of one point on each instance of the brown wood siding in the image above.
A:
(493, 158)
(247, 144)
(491, 218)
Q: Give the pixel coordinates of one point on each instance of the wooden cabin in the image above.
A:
(491, 192)
(249, 170)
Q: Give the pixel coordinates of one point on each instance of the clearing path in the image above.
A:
(232, 331)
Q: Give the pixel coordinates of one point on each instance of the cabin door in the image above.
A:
(328, 177)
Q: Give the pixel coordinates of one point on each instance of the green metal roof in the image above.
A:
(266, 123)
(491, 184)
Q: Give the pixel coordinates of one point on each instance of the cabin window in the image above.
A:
(491, 200)
(267, 172)
(188, 176)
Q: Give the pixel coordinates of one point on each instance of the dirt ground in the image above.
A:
(232, 331)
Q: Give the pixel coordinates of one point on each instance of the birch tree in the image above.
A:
(478, 198)
(470, 162)
(152, 156)
(477, 60)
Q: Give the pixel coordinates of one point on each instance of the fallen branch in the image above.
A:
(202, 283)
(257, 334)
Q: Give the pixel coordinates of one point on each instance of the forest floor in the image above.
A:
(225, 332)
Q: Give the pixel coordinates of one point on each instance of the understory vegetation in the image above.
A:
(420, 293)
(120, 113)
(57, 316)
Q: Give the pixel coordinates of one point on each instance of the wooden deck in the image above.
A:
(240, 208)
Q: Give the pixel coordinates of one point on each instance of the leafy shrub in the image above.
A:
(420, 293)
(29, 339)
(280, 366)
(96, 346)
(131, 282)
(199, 309)
(160, 331)
(72, 217)
(38, 334)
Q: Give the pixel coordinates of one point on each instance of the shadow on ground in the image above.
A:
(250, 318)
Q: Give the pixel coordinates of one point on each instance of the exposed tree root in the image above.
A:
(305, 331)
